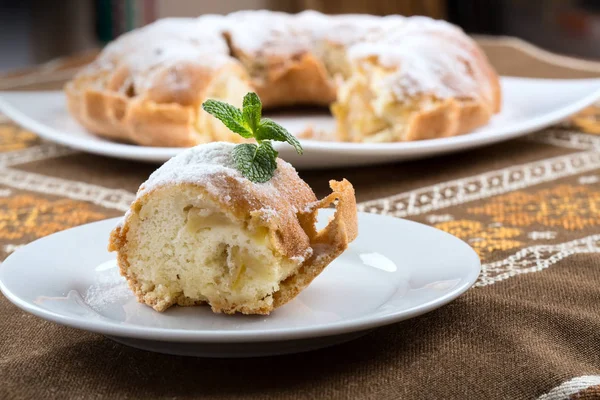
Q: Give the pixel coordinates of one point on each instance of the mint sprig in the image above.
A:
(256, 162)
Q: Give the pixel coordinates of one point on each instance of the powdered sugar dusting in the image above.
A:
(348, 29)
(267, 32)
(165, 43)
(254, 31)
(301, 259)
(430, 56)
(199, 165)
(268, 213)
(207, 165)
(109, 287)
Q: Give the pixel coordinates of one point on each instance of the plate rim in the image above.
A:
(356, 324)
(427, 147)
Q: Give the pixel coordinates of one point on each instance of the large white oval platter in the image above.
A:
(394, 270)
(528, 105)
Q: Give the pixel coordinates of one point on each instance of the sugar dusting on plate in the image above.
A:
(109, 286)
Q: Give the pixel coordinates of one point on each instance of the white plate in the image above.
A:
(396, 269)
(528, 105)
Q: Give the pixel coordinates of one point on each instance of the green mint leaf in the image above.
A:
(269, 129)
(256, 162)
(231, 116)
(252, 110)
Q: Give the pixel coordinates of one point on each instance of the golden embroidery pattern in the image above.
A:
(566, 206)
(484, 239)
(25, 215)
(13, 138)
(588, 120)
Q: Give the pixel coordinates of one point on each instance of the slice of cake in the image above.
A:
(199, 232)
(204, 230)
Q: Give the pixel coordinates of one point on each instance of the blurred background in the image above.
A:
(36, 31)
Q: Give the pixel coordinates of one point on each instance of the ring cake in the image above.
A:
(386, 79)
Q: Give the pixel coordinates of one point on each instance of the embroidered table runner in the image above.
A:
(530, 328)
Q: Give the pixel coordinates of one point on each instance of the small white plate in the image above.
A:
(528, 105)
(396, 269)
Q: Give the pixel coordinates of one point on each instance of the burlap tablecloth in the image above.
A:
(529, 329)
